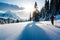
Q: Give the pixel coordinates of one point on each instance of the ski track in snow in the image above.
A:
(43, 30)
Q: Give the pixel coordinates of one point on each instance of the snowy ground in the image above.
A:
(30, 31)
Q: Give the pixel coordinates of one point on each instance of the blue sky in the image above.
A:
(20, 2)
(28, 4)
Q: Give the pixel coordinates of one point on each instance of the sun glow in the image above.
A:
(28, 7)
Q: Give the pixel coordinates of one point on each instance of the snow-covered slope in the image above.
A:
(57, 17)
(30, 31)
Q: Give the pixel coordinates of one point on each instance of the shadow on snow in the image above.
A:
(33, 32)
(57, 26)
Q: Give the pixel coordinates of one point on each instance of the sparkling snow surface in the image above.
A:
(42, 30)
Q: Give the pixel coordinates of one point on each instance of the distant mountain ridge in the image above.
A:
(9, 14)
(6, 6)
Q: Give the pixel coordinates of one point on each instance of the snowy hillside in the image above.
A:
(30, 31)
(57, 17)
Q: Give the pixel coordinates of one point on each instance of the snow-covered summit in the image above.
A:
(9, 14)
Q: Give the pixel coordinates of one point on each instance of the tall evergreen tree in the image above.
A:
(54, 6)
(46, 9)
(59, 5)
(30, 18)
(35, 13)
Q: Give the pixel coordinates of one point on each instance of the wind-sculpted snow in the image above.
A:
(30, 31)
